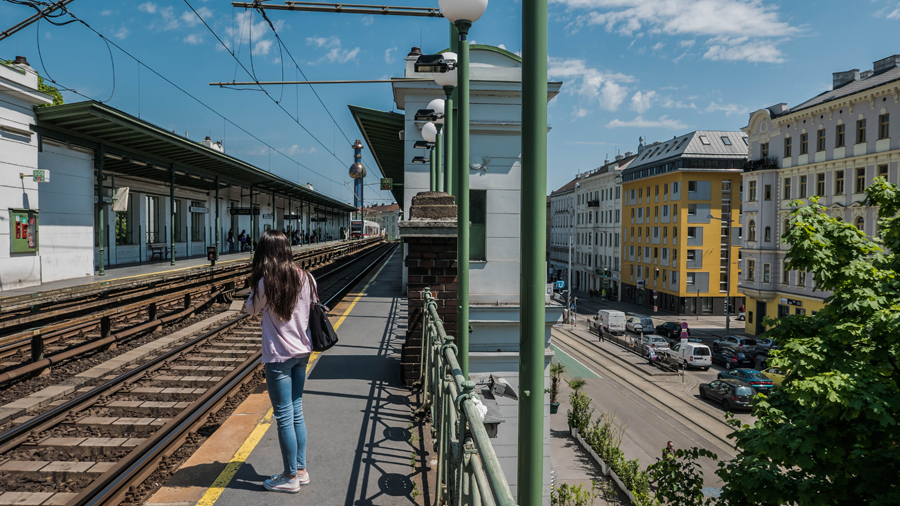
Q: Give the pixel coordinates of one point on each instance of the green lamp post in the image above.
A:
(447, 81)
(430, 134)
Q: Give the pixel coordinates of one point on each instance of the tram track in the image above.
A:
(97, 448)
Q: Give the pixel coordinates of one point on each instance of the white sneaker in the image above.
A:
(304, 480)
(281, 483)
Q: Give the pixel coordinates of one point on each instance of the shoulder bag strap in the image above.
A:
(312, 288)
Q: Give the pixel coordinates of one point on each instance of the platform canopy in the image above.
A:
(137, 148)
(381, 131)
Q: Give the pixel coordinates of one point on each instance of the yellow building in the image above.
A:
(676, 244)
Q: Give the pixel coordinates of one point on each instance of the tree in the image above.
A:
(679, 478)
(830, 434)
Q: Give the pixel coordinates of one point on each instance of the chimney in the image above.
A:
(20, 60)
(841, 78)
(411, 58)
(619, 157)
(885, 64)
(207, 142)
(867, 74)
(628, 153)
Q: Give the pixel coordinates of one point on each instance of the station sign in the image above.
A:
(243, 211)
(387, 183)
(267, 216)
(201, 210)
(292, 217)
(40, 176)
(560, 285)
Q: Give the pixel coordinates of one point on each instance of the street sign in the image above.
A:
(684, 337)
(684, 325)
(387, 183)
(560, 285)
(40, 175)
(641, 282)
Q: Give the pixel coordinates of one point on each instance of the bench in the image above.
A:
(158, 248)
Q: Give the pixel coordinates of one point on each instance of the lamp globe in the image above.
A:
(447, 78)
(463, 10)
(429, 132)
(437, 105)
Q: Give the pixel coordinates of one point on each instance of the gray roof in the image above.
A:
(613, 165)
(698, 144)
(849, 89)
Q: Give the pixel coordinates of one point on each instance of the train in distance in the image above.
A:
(360, 229)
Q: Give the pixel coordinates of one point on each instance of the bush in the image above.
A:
(580, 411)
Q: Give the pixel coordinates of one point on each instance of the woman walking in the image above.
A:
(284, 293)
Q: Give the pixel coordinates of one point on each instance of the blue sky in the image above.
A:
(631, 68)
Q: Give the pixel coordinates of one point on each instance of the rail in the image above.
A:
(468, 471)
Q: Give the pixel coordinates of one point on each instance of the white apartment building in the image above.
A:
(831, 146)
(562, 229)
(598, 222)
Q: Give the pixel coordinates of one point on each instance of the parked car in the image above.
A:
(745, 344)
(731, 394)
(732, 358)
(751, 377)
(691, 355)
(671, 331)
(655, 341)
(765, 345)
(608, 321)
(774, 374)
(638, 324)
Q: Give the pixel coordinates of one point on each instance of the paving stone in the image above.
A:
(146, 390)
(101, 467)
(67, 467)
(23, 466)
(61, 441)
(59, 499)
(24, 498)
(97, 420)
(104, 442)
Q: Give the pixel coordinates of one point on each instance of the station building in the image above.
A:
(831, 146)
(495, 203)
(87, 186)
(675, 243)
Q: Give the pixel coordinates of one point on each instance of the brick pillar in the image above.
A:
(430, 239)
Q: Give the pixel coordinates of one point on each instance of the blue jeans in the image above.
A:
(284, 381)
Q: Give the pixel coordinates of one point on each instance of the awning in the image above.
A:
(140, 149)
(382, 131)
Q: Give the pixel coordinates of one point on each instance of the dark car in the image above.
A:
(732, 359)
(671, 331)
(751, 377)
(746, 344)
(765, 345)
(731, 394)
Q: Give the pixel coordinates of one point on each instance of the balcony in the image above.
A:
(593, 203)
(761, 164)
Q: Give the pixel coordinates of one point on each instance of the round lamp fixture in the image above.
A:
(463, 10)
(437, 105)
(357, 171)
(447, 78)
(429, 132)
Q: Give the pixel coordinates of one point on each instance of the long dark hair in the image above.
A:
(274, 264)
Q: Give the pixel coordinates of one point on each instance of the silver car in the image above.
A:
(638, 324)
(655, 341)
(744, 344)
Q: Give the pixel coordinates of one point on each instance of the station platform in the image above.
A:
(362, 447)
(147, 268)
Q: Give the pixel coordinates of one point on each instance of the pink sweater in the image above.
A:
(283, 340)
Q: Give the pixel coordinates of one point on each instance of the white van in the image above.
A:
(610, 321)
(690, 354)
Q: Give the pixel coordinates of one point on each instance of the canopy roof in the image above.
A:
(137, 148)
(382, 132)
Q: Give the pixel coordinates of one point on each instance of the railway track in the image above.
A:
(68, 328)
(97, 448)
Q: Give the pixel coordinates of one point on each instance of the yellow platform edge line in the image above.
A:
(224, 479)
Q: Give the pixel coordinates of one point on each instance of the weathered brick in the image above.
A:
(426, 263)
(430, 255)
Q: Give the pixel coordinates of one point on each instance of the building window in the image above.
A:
(726, 141)
(692, 186)
(801, 278)
(751, 234)
(666, 189)
(675, 210)
(787, 188)
(804, 144)
(787, 225)
(767, 268)
(839, 136)
(767, 235)
(803, 186)
(860, 180)
(675, 187)
(884, 126)
(125, 224)
(883, 171)
(478, 220)
(691, 255)
(764, 150)
(861, 131)
(752, 193)
(839, 182)
(657, 190)
(787, 147)
(689, 278)
(692, 232)
(820, 140)
(198, 223)
(674, 256)
(861, 224)
(820, 185)
(751, 269)
(785, 273)
(692, 209)
(767, 192)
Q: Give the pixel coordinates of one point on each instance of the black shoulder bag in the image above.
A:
(321, 331)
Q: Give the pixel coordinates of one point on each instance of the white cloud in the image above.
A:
(753, 27)
(121, 33)
(641, 101)
(262, 47)
(728, 109)
(387, 55)
(297, 150)
(639, 121)
(604, 87)
(148, 7)
(668, 103)
(580, 112)
(502, 46)
(106, 12)
(335, 54)
(194, 39)
(246, 30)
(367, 20)
(192, 20)
(888, 12)
(658, 46)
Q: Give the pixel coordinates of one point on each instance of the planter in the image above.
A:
(622, 486)
(554, 408)
(604, 467)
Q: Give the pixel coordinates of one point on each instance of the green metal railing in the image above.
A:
(468, 471)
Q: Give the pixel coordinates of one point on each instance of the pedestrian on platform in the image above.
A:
(284, 294)
(230, 240)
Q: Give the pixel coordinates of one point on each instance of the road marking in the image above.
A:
(224, 479)
(590, 372)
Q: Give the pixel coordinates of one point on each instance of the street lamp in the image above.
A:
(462, 13)
(429, 133)
(437, 105)
(727, 275)
(447, 80)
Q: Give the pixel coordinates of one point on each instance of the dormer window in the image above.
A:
(704, 140)
(726, 141)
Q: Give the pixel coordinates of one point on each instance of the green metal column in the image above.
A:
(252, 234)
(449, 173)
(530, 474)
(432, 182)
(462, 200)
(100, 160)
(437, 163)
(172, 214)
(218, 226)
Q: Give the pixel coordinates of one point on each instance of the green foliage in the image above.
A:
(577, 384)
(43, 87)
(580, 410)
(830, 434)
(556, 371)
(574, 495)
(679, 478)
